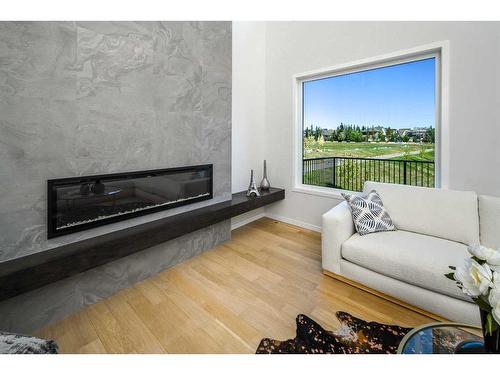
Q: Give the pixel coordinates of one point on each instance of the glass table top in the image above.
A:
(442, 338)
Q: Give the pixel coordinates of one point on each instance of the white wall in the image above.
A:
(248, 110)
(296, 47)
(249, 95)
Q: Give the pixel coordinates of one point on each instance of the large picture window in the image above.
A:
(377, 122)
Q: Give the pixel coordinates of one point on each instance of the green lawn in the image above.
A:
(424, 155)
(367, 150)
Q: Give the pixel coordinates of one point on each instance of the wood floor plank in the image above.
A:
(217, 309)
(93, 347)
(72, 333)
(164, 320)
(225, 300)
(111, 334)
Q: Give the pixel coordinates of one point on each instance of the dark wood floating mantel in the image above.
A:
(33, 271)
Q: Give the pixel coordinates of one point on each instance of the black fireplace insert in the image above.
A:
(80, 203)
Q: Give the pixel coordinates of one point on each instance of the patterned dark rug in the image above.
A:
(355, 336)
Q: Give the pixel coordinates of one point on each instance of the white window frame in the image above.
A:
(438, 50)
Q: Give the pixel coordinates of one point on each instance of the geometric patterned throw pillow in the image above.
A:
(368, 213)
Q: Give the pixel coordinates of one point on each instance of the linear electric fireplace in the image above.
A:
(79, 203)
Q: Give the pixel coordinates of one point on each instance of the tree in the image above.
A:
(389, 134)
(341, 137)
(348, 134)
(406, 138)
(430, 135)
(358, 136)
(393, 135)
(318, 132)
(306, 132)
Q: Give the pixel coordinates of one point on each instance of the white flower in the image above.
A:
(494, 268)
(496, 279)
(494, 298)
(476, 279)
(491, 256)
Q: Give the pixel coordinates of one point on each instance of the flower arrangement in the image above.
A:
(479, 278)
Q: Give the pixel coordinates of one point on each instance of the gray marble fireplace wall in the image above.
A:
(80, 98)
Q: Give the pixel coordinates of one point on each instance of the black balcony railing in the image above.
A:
(351, 173)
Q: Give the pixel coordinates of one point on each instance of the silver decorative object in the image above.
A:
(252, 188)
(264, 184)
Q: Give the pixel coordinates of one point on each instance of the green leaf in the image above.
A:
(494, 323)
(452, 268)
(482, 304)
(449, 276)
(490, 325)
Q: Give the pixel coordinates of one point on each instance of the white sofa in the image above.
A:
(435, 226)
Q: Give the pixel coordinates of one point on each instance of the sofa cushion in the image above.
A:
(489, 221)
(410, 257)
(368, 213)
(448, 214)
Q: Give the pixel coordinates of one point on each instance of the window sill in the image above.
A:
(321, 191)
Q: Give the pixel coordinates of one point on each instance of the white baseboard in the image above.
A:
(247, 220)
(298, 223)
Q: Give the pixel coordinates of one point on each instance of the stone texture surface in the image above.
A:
(80, 98)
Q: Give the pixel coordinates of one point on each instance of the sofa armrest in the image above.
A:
(337, 227)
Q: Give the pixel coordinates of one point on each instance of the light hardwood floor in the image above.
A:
(225, 300)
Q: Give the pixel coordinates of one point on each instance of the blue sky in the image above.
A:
(398, 96)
